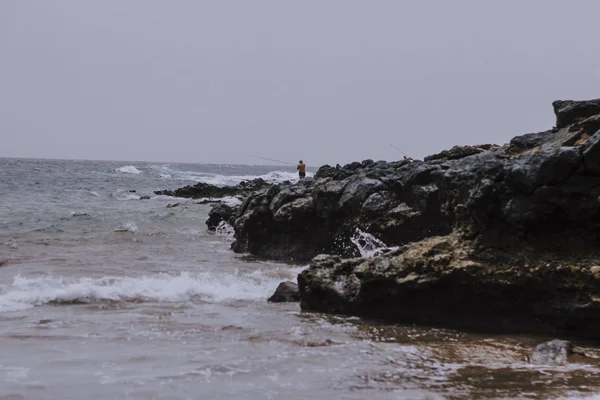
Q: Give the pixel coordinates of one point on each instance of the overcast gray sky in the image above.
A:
(324, 80)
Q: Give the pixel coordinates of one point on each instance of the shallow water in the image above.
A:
(105, 296)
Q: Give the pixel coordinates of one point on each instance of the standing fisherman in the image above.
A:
(301, 169)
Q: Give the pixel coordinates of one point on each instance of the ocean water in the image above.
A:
(107, 296)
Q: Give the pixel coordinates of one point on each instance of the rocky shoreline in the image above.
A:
(490, 238)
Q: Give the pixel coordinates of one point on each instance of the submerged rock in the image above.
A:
(554, 352)
(286, 292)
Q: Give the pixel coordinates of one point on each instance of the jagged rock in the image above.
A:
(220, 212)
(569, 111)
(326, 196)
(591, 153)
(457, 152)
(145, 198)
(327, 171)
(447, 281)
(529, 141)
(356, 191)
(378, 203)
(286, 292)
(543, 167)
(512, 195)
(554, 352)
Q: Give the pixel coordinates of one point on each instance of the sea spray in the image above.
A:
(25, 293)
(129, 169)
(368, 245)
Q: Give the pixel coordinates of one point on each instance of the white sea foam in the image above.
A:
(129, 169)
(25, 293)
(368, 245)
(224, 229)
(165, 172)
(229, 200)
(127, 227)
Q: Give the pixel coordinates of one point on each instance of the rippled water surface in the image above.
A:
(106, 296)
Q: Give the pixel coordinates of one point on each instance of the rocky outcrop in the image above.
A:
(498, 238)
(458, 152)
(286, 292)
(219, 213)
(447, 281)
(206, 190)
(541, 189)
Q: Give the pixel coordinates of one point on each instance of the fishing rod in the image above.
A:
(401, 152)
(269, 159)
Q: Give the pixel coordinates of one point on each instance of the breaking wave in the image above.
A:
(165, 172)
(129, 169)
(25, 293)
(127, 227)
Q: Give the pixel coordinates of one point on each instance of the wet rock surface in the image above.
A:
(219, 213)
(286, 292)
(447, 281)
(554, 352)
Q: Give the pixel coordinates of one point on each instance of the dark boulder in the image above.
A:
(591, 153)
(378, 203)
(529, 141)
(356, 191)
(286, 292)
(543, 167)
(327, 171)
(220, 212)
(569, 111)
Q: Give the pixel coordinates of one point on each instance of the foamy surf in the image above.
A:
(129, 169)
(165, 172)
(25, 293)
(127, 227)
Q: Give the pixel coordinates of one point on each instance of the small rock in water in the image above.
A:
(553, 352)
(132, 191)
(209, 201)
(173, 205)
(145, 198)
(286, 292)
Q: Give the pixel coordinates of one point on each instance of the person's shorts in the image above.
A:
(302, 174)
